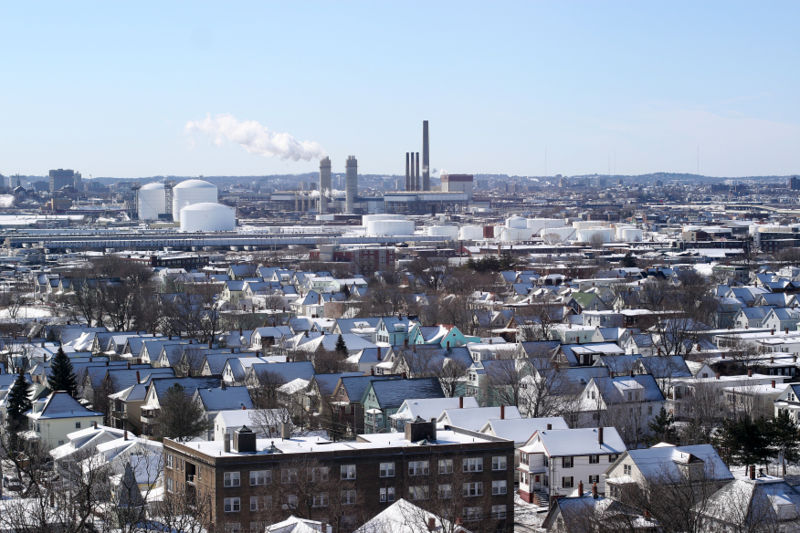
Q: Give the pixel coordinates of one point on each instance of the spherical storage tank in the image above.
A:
(207, 216)
(398, 226)
(192, 192)
(151, 201)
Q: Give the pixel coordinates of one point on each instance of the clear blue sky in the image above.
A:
(107, 88)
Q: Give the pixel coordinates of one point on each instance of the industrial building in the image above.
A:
(424, 202)
(351, 184)
(457, 183)
(324, 184)
(61, 178)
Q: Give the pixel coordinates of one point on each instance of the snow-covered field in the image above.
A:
(28, 311)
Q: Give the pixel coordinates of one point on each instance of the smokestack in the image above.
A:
(419, 181)
(408, 171)
(351, 183)
(426, 175)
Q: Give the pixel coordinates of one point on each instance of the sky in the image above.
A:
(529, 88)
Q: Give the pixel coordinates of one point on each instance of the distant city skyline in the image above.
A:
(526, 88)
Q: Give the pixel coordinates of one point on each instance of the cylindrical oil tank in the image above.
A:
(379, 216)
(443, 231)
(597, 233)
(390, 227)
(556, 235)
(537, 224)
(207, 216)
(192, 192)
(630, 235)
(517, 222)
(470, 232)
(151, 201)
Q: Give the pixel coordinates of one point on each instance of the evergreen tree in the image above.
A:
(180, 417)
(18, 403)
(341, 347)
(629, 261)
(62, 374)
(663, 427)
(784, 438)
(745, 442)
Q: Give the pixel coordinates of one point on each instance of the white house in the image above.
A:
(553, 462)
(52, 419)
(264, 423)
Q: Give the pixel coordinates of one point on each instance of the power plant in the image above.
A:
(324, 183)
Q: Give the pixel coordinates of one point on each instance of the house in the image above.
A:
(347, 415)
(474, 418)
(629, 403)
(753, 401)
(588, 510)
(80, 444)
(392, 330)
(751, 317)
(157, 390)
(214, 400)
(755, 504)
(382, 398)
(788, 401)
(52, 419)
(404, 517)
(427, 408)
(265, 423)
(553, 462)
(446, 336)
(782, 319)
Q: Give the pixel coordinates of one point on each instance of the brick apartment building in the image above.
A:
(248, 483)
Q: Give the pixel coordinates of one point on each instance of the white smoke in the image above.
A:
(255, 138)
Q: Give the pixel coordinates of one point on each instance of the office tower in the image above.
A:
(351, 183)
(324, 183)
(426, 174)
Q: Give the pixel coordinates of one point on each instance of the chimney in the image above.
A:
(227, 445)
(786, 331)
(244, 408)
(460, 402)
(772, 331)
(286, 430)
(594, 490)
(379, 353)
(549, 427)
(94, 424)
(502, 412)
(717, 375)
(580, 489)
(431, 523)
(749, 372)
(129, 365)
(773, 383)
(125, 435)
(752, 471)
(372, 371)
(138, 378)
(600, 436)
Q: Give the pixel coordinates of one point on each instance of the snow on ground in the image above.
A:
(6, 200)
(28, 311)
(527, 517)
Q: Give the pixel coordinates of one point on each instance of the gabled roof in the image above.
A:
(391, 394)
(661, 462)
(61, 405)
(219, 399)
(355, 386)
(520, 429)
(579, 441)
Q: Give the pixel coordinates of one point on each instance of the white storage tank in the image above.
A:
(631, 235)
(398, 226)
(192, 192)
(151, 201)
(365, 219)
(470, 232)
(556, 235)
(538, 224)
(443, 231)
(516, 222)
(207, 216)
(590, 235)
(586, 224)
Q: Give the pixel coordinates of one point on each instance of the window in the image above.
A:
(260, 477)
(231, 479)
(233, 527)
(288, 475)
(613, 457)
(319, 499)
(418, 468)
(291, 502)
(387, 470)
(499, 462)
(254, 503)
(418, 492)
(387, 494)
(498, 487)
(499, 511)
(472, 464)
(594, 459)
(170, 485)
(566, 482)
(349, 497)
(348, 471)
(319, 473)
(594, 479)
(472, 513)
(445, 491)
(472, 488)
(170, 460)
(626, 469)
(232, 505)
(445, 466)
(566, 462)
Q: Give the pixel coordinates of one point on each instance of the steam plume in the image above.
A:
(255, 138)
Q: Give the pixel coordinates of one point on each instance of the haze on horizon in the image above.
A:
(525, 88)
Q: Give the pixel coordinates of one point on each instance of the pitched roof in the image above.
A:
(392, 393)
